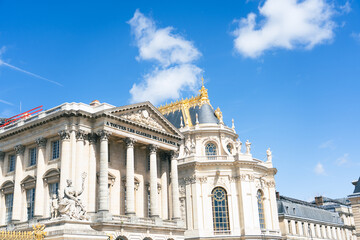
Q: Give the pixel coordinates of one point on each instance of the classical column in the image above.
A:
(2, 196)
(92, 173)
(130, 194)
(175, 186)
(40, 170)
(103, 176)
(79, 164)
(65, 166)
(154, 210)
(2, 158)
(16, 216)
(164, 187)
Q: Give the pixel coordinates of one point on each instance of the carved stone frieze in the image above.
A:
(19, 149)
(104, 135)
(143, 117)
(64, 135)
(41, 142)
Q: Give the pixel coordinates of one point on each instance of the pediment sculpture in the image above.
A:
(142, 116)
(69, 205)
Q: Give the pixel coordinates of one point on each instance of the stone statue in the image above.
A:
(238, 146)
(248, 146)
(70, 205)
(269, 155)
(54, 208)
(189, 146)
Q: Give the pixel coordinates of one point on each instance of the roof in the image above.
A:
(301, 209)
(357, 187)
(191, 111)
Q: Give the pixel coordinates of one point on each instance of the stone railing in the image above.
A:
(206, 158)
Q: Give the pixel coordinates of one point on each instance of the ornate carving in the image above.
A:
(130, 142)
(235, 178)
(92, 137)
(247, 177)
(182, 190)
(203, 179)
(183, 208)
(19, 149)
(270, 184)
(143, 117)
(41, 142)
(248, 146)
(174, 154)
(104, 135)
(64, 135)
(153, 148)
(2, 156)
(80, 135)
(190, 180)
(70, 205)
(189, 146)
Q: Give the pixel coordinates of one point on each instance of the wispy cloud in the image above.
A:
(356, 36)
(173, 58)
(343, 159)
(346, 8)
(6, 102)
(287, 24)
(319, 169)
(328, 145)
(2, 63)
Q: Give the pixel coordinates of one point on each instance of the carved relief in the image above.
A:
(183, 208)
(104, 135)
(247, 177)
(153, 148)
(143, 117)
(80, 135)
(19, 149)
(190, 180)
(92, 137)
(130, 142)
(64, 135)
(202, 179)
(41, 142)
(182, 190)
(270, 184)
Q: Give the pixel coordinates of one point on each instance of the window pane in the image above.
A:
(261, 209)
(210, 150)
(30, 200)
(220, 211)
(11, 163)
(32, 154)
(9, 207)
(55, 148)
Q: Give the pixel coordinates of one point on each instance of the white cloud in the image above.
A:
(319, 169)
(356, 36)
(287, 24)
(6, 102)
(346, 8)
(173, 55)
(328, 145)
(343, 159)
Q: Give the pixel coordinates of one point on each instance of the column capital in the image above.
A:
(19, 149)
(2, 156)
(92, 137)
(153, 148)
(64, 135)
(41, 142)
(130, 142)
(80, 135)
(104, 135)
(174, 154)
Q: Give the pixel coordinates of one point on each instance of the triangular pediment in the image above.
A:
(146, 115)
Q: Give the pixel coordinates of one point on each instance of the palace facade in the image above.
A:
(99, 171)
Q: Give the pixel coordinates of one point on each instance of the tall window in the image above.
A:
(220, 211)
(12, 159)
(261, 209)
(53, 189)
(32, 153)
(9, 207)
(55, 149)
(210, 150)
(229, 147)
(148, 203)
(30, 200)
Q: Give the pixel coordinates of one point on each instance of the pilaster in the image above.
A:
(17, 204)
(164, 187)
(130, 187)
(65, 164)
(40, 170)
(154, 210)
(92, 173)
(175, 186)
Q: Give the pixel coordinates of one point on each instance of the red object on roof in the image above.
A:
(26, 114)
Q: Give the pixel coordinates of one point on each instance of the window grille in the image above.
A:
(9, 206)
(210, 150)
(261, 209)
(30, 200)
(12, 159)
(220, 211)
(55, 149)
(32, 153)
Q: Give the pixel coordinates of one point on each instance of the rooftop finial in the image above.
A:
(181, 122)
(202, 80)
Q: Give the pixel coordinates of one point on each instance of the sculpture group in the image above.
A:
(69, 204)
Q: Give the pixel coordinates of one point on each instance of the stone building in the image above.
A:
(355, 204)
(137, 172)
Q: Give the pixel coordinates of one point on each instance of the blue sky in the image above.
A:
(287, 71)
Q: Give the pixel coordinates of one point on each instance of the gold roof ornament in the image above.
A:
(218, 114)
(39, 231)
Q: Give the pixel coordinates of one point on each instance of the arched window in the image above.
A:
(121, 238)
(210, 150)
(229, 148)
(261, 209)
(220, 211)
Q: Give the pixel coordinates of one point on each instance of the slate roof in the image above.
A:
(357, 187)
(305, 210)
